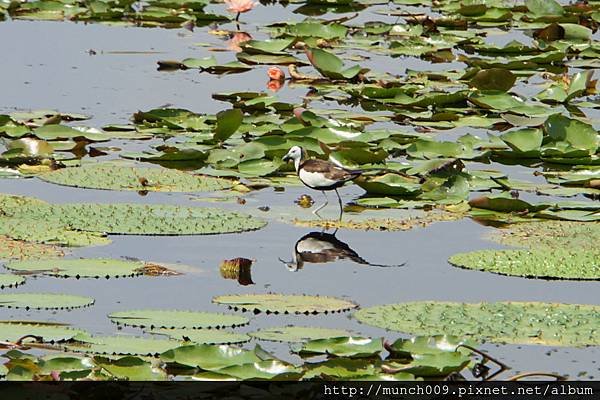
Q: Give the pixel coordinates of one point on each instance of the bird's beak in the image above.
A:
(286, 158)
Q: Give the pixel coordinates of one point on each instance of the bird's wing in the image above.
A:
(329, 170)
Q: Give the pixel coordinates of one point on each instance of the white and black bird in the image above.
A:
(320, 248)
(320, 175)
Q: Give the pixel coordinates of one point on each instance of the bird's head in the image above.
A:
(294, 154)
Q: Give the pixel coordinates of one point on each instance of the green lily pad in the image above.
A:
(47, 231)
(331, 66)
(8, 280)
(204, 336)
(296, 334)
(121, 345)
(176, 319)
(210, 357)
(285, 304)
(420, 345)
(268, 369)
(493, 79)
(355, 347)
(525, 141)
(80, 268)
(142, 219)
(131, 368)
(502, 322)
(44, 301)
(550, 234)
(13, 331)
(11, 249)
(390, 184)
(547, 263)
(434, 365)
(227, 123)
(114, 177)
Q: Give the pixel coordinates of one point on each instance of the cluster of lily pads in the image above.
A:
(166, 14)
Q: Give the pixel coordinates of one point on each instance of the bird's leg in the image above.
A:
(340, 202)
(316, 211)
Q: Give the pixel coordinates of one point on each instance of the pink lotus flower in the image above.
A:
(239, 6)
(276, 74)
(236, 39)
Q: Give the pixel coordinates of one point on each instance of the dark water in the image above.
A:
(46, 65)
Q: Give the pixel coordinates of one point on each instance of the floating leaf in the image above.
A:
(44, 301)
(343, 347)
(511, 322)
(227, 123)
(8, 280)
(80, 268)
(493, 79)
(204, 336)
(285, 304)
(176, 319)
(210, 357)
(142, 219)
(331, 66)
(11, 249)
(122, 345)
(268, 369)
(131, 368)
(297, 333)
(49, 231)
(114, 177)
(547, 263)
(13, 331)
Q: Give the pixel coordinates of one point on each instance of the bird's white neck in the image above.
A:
(297, 164)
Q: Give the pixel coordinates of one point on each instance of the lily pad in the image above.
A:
(285, 304)
(13, 331)
(296, 334)
(550, 234)
(142, 219)
(546, 263)
(355, 347)
(176, 319)
(80, 268)
(546, 324)
(44, 301)
(11, 249)
(113, 177)
(210, 357)
(48, 231)
(204, 336)
(8, 280)
(122, 345)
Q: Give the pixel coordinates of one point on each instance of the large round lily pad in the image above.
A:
(285, 304)
(295, 334)
(12, 332)
(53, 232)
(503, 322)
(122, 345)
(80, 268)
(176, 319)
(143, 219)
(567, 234)
(115, 177)
(44, 301)
(204, 336)
(550, 263)
(11, 249)
(9, 280)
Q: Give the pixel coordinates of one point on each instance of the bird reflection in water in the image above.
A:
(321, 247)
